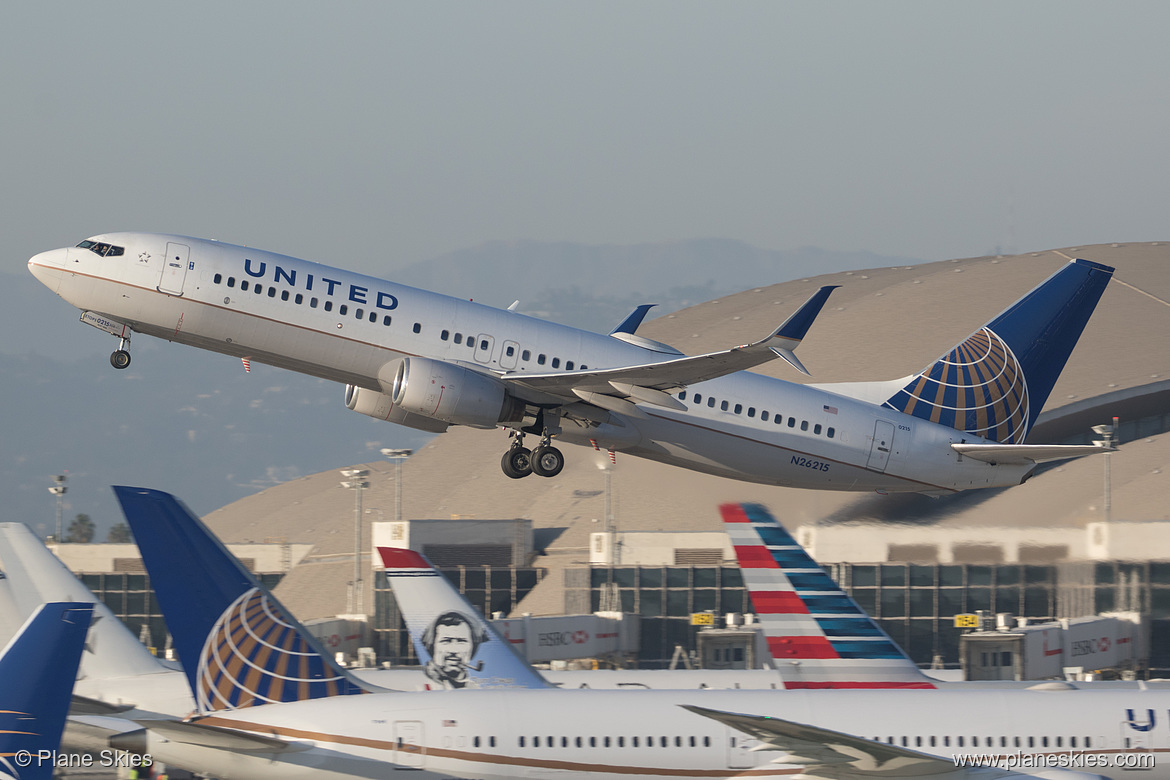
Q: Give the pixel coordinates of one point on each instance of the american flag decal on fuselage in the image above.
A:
(818, 636)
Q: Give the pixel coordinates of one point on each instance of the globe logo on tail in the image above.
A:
(255, 655)
(977, 387)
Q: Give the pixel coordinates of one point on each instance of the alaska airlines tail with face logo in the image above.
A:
(456, 645)
(239, 646)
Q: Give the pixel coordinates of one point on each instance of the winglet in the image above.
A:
(210, 600)
(796, 327)
(634, 319)
(438, 616)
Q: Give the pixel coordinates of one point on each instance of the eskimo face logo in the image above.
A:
(977, 387)
(255, 655)
(451, 641)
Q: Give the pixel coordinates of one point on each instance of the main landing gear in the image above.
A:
(544, 460)
(121, 356)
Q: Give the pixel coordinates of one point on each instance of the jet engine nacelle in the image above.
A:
(453, 394)
(379, 405)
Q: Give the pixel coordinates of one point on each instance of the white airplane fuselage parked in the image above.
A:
(554, 734)
(429, 361)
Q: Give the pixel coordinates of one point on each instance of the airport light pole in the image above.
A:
(355, 480)
(59, 490)
(397, 456)
(1108, 434)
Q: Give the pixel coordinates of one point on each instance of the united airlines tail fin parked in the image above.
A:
(457, 647)
(239, 646)
(994, 383)
(37, 670)
(818, 636)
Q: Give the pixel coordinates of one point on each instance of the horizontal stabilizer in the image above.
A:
(1023, 454)
(195, 733)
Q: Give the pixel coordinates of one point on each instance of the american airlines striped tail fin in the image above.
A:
(458, 648)
(238, 645)
(818, 636)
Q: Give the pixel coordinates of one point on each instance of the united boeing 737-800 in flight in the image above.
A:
(430, 361)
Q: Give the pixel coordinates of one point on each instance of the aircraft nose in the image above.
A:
(48, 267)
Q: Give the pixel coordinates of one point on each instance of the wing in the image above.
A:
(831, 754)
(195, 733)
(653, 382)
(1023, 454)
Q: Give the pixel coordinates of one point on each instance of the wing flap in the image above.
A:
(1023, 454)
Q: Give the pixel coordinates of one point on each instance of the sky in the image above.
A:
(377, 134)
(373, 135)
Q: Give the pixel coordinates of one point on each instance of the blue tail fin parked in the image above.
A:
(37, 670)
(995, 382)
(818, 636)
(238, 645)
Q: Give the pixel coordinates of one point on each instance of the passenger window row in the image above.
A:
(298, 298)
(564, 742)
(372, 316)
(1019, 742)
(778, 419)
(509, 350)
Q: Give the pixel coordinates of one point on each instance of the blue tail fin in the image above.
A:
(37, 670)
(818, 636)
(239, 646)
(995, 382)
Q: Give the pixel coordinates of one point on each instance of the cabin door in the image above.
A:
(174, 268)
(409, 752)
(883, 443)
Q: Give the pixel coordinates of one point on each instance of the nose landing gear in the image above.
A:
(121, 356)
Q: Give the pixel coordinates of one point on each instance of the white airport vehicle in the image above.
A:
(430, 361)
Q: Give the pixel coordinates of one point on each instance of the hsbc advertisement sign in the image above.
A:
(569, 637)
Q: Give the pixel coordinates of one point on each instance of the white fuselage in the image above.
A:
(344, 327)
(550, 734)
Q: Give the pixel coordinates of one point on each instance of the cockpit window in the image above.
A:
(102, 249)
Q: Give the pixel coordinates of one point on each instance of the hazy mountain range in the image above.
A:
(196, 424)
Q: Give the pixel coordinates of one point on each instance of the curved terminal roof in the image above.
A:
(882, 324)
